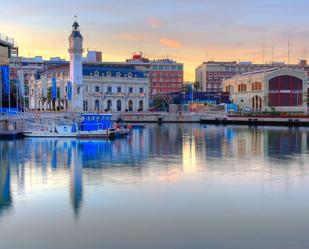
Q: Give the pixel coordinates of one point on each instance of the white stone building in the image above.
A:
(89, 87)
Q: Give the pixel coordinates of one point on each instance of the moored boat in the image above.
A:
(51, 131)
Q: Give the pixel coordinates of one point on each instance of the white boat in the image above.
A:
(52, 131)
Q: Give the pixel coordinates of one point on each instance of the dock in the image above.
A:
(257, 121)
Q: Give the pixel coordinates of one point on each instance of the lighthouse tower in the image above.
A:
(76, 68)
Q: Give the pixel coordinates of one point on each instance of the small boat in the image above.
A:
(51, 131)
(97, 126)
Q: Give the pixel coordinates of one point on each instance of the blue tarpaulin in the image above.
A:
(5, 71)
(69, 90)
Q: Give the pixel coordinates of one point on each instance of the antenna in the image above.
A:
(272, 53)
(75, 18)
(289, 51)
(263, 52)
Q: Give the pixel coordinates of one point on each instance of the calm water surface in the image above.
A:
(170, 186)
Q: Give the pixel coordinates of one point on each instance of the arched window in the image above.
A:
(130, 105)
(242, 88)
(97, 105)
(141, 105)
(109, 105)
(256, 86)
(119, 105)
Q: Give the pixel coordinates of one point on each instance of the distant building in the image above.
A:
(280, 89)
(165, 75)
(212, 73)
(23, 68)
(93, 57)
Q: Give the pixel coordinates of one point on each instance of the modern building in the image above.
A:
(165, 75)
(212, 73)
(277, 89)
(7, 50)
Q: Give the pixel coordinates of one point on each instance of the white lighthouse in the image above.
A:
(76, 68)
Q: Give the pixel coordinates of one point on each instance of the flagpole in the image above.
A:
(17, 97)
(1, 85)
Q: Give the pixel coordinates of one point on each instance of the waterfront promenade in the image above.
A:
(13, 125)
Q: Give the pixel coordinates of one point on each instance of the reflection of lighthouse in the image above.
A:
(76, 185)
(5, 191)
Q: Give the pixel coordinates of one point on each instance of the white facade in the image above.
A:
(115, 94)
(104, 92)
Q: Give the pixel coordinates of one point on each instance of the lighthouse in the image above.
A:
(76, 68)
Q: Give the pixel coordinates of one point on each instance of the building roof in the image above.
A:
(260, 71)
(112, 71)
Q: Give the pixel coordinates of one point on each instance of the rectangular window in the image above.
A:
(141, 90)
(119, 89)
(109, 89)
(130, 89)
(97, 89)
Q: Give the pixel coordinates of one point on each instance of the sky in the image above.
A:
(188, 31)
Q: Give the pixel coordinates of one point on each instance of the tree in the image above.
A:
(197, 86)
(160, 103)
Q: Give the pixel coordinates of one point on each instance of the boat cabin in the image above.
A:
(94, 122)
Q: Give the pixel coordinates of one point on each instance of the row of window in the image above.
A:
(175, 74)
(170, 80)
(174, 67)
(118, 89)
(119, 105)
(167, 85)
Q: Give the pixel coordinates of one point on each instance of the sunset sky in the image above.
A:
(187, 31)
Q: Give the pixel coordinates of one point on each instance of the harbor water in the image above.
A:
(170, 186)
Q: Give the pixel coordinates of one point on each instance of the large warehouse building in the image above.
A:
(279, 89)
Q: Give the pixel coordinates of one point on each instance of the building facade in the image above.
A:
(278, 89)
(105, 88)
(165, 75)
(211, 74)
(7, 50)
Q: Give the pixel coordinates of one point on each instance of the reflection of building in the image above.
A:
(76, 185)
(281, 89)
(5, 191)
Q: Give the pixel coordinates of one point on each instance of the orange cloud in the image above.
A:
(170, 43)
(155, 23)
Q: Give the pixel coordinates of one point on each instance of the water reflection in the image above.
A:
(5, 185)
(76, 178)
(168, 150)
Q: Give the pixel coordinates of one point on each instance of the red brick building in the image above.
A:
(165, 75)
